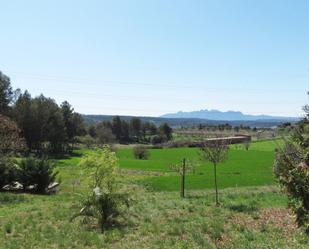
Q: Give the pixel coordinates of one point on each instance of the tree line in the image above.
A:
(51, 128)
(44, 125)
(132, 131)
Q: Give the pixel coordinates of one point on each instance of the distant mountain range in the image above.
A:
(227, 116)
(188, 122)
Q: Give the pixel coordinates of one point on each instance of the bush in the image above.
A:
(105, 208)
(293, 176)
(104, 203)
(292, 170)
(7, 172)
(36, 172)
(141, 152)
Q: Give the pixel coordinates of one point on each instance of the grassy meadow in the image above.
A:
(243, 168)
(253, 212)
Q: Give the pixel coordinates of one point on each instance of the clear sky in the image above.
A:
(151, 57)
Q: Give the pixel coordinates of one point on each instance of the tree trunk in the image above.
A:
(216, 186)
(182, 193)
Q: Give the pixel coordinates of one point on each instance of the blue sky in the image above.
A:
(154, 57)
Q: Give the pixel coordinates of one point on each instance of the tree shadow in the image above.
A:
(249, 208)
(66, 155)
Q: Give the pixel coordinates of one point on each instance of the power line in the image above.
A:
(151, 99)
(73, 80)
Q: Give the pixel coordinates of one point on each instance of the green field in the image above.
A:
(243, 168)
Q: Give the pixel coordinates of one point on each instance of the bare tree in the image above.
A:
(215, 152)
(182, 169)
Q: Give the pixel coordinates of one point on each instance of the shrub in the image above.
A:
(7, 172)
(36, 172)
(293, 176)
(105, 207)
(141, 152)
(292, 170)
(104, 203)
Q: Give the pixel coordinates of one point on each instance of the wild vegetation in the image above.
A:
(125, 196)
(141, 152)
(292, 170)
(250, 217)
(104, 202)
(133, 131)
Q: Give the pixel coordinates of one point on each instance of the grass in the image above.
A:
(156, 220)
(243, 168)
(248, 217)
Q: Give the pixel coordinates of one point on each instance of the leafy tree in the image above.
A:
(6, 93)
(74, 123)
(152, 129)
(144, 130)
(44, 125)
(92, 131)
(135, 128)
(215, 152)
(157, 139)
(117, 127)
(120, 129)
(101, 168)
(148, 129)
(41, 122)
(166, 131)
(125, 132)
(67, 113)
(55, 132)
(87, 140)
(292, 170)
(104, 134)
(24, 116)
(78, 128)
(105, 203)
